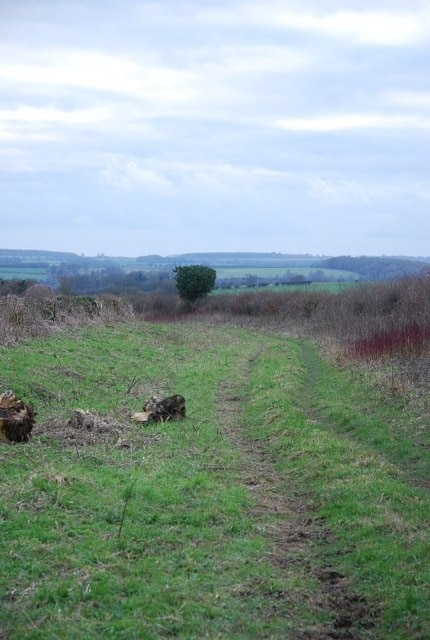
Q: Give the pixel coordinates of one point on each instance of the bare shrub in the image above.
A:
(156, 306)
(20, 318)
(42, 300)
(112, 308)
(42, 312)
(396, 313)
(276, 306)
(367, 320)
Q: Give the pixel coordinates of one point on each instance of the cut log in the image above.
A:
(155, 410)
(141, 416)
(16, 418)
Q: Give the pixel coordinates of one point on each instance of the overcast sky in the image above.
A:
(132, 127)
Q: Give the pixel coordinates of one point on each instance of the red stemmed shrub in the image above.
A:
(410, 339)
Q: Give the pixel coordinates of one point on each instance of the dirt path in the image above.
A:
(296, 537)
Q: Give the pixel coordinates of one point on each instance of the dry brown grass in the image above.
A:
(41, 312)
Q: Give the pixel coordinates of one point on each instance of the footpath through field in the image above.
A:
(284, 506)
(328, 606)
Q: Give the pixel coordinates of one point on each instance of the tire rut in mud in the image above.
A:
(296, 536)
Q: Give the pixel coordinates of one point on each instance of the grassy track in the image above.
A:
(286, 505)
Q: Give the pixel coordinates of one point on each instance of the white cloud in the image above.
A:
(346, 122)
(128, 173)
(145, 79)
(341, 191)
(201, 82)
(367, 191)
(201, 181)
(39, 114)
(390, 27)
(205, 181)
(13, 136)
(368, 27)
(249, 59)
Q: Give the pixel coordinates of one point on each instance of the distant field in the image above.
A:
(50, 257)
(129, 267)
(331, 287)
(23, 273)
(273, 272)
(130, 264)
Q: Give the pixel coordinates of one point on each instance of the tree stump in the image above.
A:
(16, 418)
(155, 410)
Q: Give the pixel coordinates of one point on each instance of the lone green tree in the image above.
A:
(194, 281)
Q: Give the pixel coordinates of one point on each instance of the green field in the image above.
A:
(23, 273)
(130, 264)
(330, 287)
(289, 504)
(273, 272)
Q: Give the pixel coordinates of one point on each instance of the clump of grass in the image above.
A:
(127, 497)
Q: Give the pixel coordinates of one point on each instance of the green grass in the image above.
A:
(359, 455)
(163, 540)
